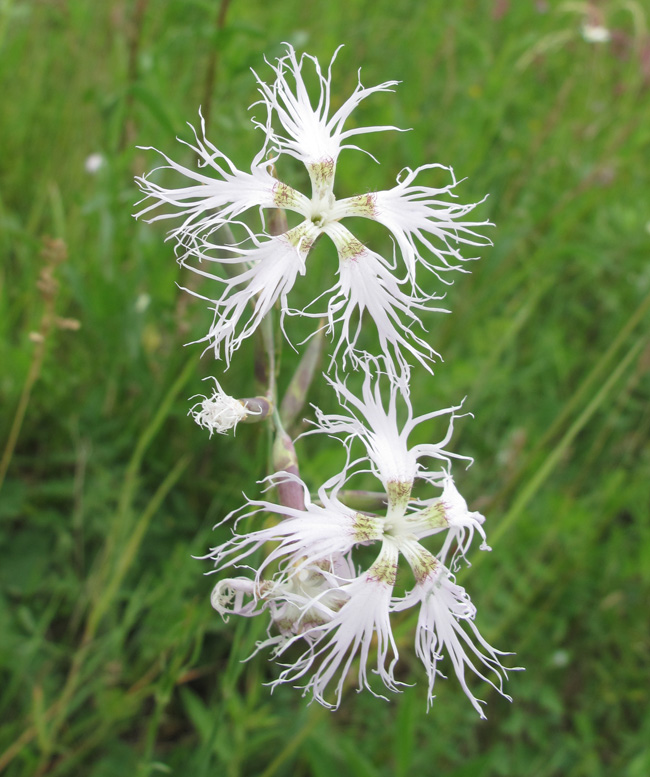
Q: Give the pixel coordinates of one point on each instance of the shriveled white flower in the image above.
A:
(421, 220)
(298, 604)
(229, 596)
(219, 412)
(310, 581)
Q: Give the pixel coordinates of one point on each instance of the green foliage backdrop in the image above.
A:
(111, 659)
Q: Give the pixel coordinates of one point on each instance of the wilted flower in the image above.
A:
(220, 412)
(419, 218)
(310, 579)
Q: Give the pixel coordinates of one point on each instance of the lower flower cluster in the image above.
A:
(310, 582)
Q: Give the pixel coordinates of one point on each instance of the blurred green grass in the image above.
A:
(111, 659)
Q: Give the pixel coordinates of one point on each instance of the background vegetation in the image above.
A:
(111, 659)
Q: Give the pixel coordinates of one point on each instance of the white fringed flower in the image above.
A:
(309, 579)
(420, 219)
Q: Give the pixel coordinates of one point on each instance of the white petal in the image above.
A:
(351, 632)
(367, 284)
(376, 425)
(271, 271)
(416, 216)
(209, 201)
(462, 522)
(311, 135)
(446, 623)
(303, 537)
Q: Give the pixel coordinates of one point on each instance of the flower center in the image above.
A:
(322, 207)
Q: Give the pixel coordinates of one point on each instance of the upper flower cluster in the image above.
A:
(427, 227)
